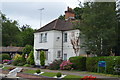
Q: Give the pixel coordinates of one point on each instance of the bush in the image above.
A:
(66, 65)
(111, 61)
(30, 58)
(4, 56)
(42, 58)
(18, 62)
(79, 63)
(55, 65)
(17, 56)
(38, 71)
(58, 74)
(26, 65)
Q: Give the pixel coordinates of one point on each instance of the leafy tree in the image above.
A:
(62, 17)
(78, 12)
(26, 51)
(10, 31)
(27, 36)
(30, 58)
(42, 58)
(98, 27)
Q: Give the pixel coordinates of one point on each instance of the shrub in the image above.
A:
(58, 74)
(55, 65)
(27, 49)
(30, 58)
(42, 58)
(18, 62)
(26, 65)
(6, 61)
(79, 63)
(17, 56)
(38, 71)
(5, 56)
(66, 65)
(111, 61)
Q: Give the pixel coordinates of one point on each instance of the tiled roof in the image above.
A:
(11, 49)
(61, 25)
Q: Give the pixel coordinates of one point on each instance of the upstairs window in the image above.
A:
(65, 37)
(43, 37)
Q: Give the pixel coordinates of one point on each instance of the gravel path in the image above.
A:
(78, 73)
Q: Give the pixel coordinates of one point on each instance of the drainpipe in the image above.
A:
(62, 44)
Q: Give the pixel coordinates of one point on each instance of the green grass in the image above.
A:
(72, 76)
(49, 74)
(30, 71)
(6, 68)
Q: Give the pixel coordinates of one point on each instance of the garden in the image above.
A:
(78, 63)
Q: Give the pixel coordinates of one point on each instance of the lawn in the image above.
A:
(29, 71)
(6, 68)
(51, 74)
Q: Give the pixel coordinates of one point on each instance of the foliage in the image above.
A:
(38, 71)
(62, 17)
(88, 78)
(26, 65)
(98, 26)
(13, 35)
(78, 13)
(17, 56)
(30, 58)
(111, 62)
(58, 74)
(55, 65)
(27, 36)
(10, 31)
(18, 61)
(42, 58)
(66, 65)
(10, 62)
(79, 63)
(5, 56)
(26, 50)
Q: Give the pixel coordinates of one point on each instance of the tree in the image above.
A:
(98, 27)
(78, 13)
(27, 35)
(75, 43)
(42, 58)
(26, 51)
(10, 31)
(30, 58)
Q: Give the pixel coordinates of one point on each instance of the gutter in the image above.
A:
(62, 44)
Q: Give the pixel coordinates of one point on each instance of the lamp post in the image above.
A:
(41, 15)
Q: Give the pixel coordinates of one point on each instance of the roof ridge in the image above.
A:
(55, 23)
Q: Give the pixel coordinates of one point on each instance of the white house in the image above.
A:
(58, 39)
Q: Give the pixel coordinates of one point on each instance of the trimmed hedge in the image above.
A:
(111, 61)
(79, 63)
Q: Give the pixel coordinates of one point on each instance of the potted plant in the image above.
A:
(38, 71)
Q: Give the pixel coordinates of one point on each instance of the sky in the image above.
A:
(26, 11)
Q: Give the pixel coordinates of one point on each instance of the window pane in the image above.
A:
(65, 56)
(65, 37)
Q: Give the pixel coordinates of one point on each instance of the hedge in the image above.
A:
(111, 61)
(79, 63)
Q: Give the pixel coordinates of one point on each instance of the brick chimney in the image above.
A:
(69, 14)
